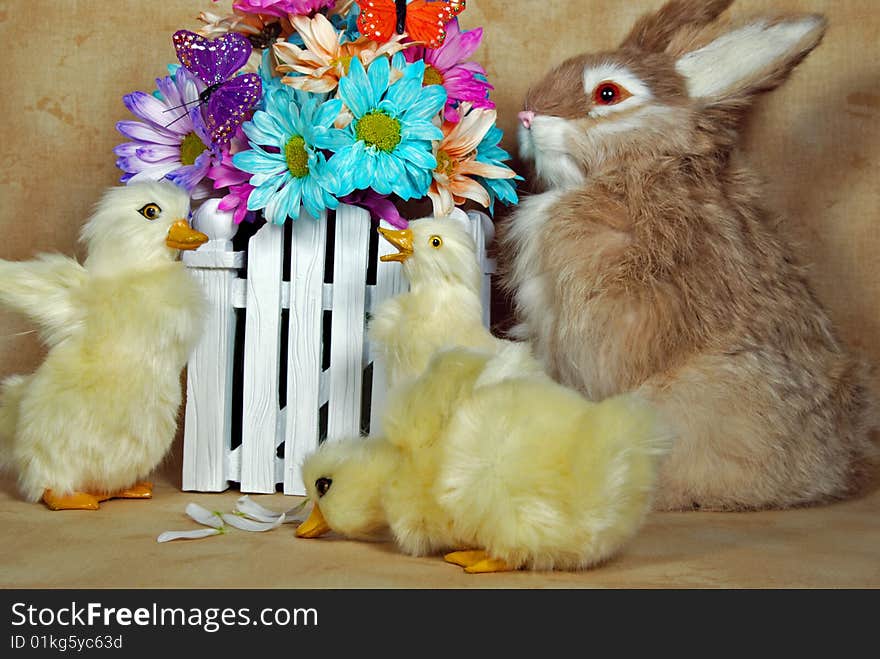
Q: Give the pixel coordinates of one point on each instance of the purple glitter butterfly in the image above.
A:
(228, 98)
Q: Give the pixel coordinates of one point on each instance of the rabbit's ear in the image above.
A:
(655, 31)
(752, 58)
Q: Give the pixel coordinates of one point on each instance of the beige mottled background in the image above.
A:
(68, 62)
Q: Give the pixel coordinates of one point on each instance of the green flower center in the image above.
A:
(378, 129)
(444, 163)
(297, 156)
(344, 61)
(432, 76)
(191, 148)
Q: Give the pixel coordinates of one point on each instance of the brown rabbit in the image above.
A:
(650, 262)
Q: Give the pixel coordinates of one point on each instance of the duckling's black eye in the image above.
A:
(322, 485)
(436, 242)
(150, 211)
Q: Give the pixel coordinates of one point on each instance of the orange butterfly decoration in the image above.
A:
(423, 20)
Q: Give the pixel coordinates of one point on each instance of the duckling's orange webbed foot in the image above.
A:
(91, 500)
(138, 491)
(488, 565)
(476, 561)
(72, 501)
(465, 558)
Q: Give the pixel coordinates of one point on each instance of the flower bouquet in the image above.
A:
(285, 109)
(285, 105)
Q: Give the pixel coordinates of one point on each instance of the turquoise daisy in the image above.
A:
(287, 167)
(271, 83)
(489, 152)
(387, 145)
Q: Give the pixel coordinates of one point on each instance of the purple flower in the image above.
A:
(172, 141)
(464, 81)
(380, 206)
(281, 8)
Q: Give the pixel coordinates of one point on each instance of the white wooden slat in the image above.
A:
(389, 282)
(482, 231)
(208, 429)
(261, 359)
(233, 464)
(279, 473)
(326, 304)
(212, 256)
(351, 247)
(308, 246)
(239, 293)
(324, 387)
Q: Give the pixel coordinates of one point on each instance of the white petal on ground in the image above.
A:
(289, 515)
(203, 515)
(248, 516)
(251, 509)
(245, 524)
(187, 535)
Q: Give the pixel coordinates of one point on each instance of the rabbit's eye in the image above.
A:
(609, 93)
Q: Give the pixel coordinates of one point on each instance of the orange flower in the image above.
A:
(456, 156)
(325, 59)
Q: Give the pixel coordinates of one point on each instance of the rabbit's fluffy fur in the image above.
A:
(650, 263)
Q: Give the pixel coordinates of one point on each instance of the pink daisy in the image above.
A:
(227, 175)
(464, 81)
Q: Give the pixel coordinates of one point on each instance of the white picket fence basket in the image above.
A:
(212, 456)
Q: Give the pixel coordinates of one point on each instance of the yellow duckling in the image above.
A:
(443, 307)
(507, 471)
(100, 412)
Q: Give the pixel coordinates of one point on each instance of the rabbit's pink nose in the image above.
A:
(526, 117)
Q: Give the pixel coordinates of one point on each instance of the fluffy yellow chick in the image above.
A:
(443, 306)
(100, 412)
(509, 472)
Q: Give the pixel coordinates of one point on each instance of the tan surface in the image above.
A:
(834, 546)
(68, 63)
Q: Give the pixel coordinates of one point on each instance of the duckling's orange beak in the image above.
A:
(402, 240)
(182, 236)
(315, 526)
